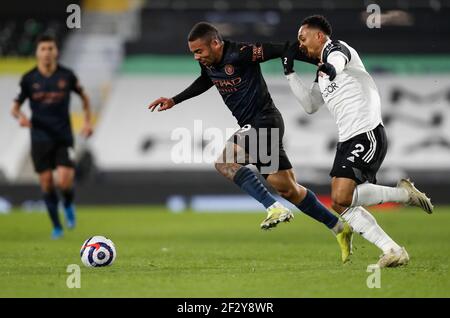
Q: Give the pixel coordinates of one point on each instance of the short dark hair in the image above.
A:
(204, 30)
(319, 22)
(46, 38)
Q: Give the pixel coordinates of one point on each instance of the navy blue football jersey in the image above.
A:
(49, 102)
(240, 82)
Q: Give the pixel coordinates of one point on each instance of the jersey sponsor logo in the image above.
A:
(329, 89)
(229, 69)
(36, 86)
(48, 97)
(227, 86)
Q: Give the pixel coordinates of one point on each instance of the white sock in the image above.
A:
(338, 227)
(365, 224)
(368, 194)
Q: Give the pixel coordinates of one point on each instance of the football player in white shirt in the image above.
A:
(350, 94)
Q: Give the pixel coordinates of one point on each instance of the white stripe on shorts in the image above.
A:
(373, 147)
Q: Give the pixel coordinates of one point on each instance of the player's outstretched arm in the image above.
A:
(292, 52)
(199, 86)
(310, 99)
(164, 103)
(261, 52)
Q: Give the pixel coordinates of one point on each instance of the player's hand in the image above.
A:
(328, 69)
(24, 122)
(87, 130)
(287, 59)
(163, 103)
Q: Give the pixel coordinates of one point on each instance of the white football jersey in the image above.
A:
(352, 97)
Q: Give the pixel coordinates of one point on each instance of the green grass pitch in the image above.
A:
(219, 255)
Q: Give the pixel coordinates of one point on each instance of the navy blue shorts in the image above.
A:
(49, 155)
(262, 140)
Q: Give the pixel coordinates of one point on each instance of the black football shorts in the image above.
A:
(263, 143)
(360, 157)
(49, 155)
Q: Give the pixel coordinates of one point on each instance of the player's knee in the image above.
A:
(338, 208)
(219, 166)
(290, 194)
(47, 187)
(46, 183)
(340, 199)
(287, 194)
(65, 183)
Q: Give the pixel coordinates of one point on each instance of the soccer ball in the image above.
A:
(98, 251)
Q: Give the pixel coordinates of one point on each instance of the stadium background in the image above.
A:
(127, 53)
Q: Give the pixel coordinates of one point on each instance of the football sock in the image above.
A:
(365, 224)
(51, 202)
(247, 180)
(371, 194)
(312, 207)
(338, 228)
(68, 196)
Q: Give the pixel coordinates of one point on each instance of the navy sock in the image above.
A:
(247, 180)
(312, 207)
(51, 201)
(68, 196)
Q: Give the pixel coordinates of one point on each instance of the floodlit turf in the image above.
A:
(218, 255)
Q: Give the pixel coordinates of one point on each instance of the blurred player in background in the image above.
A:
(235, 71)
(48, 87)
(352, 97)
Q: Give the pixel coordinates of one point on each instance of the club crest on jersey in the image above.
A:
(229, 69)
(62, 84)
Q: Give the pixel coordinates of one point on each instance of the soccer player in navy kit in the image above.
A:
(235, 71)
(48, 87)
